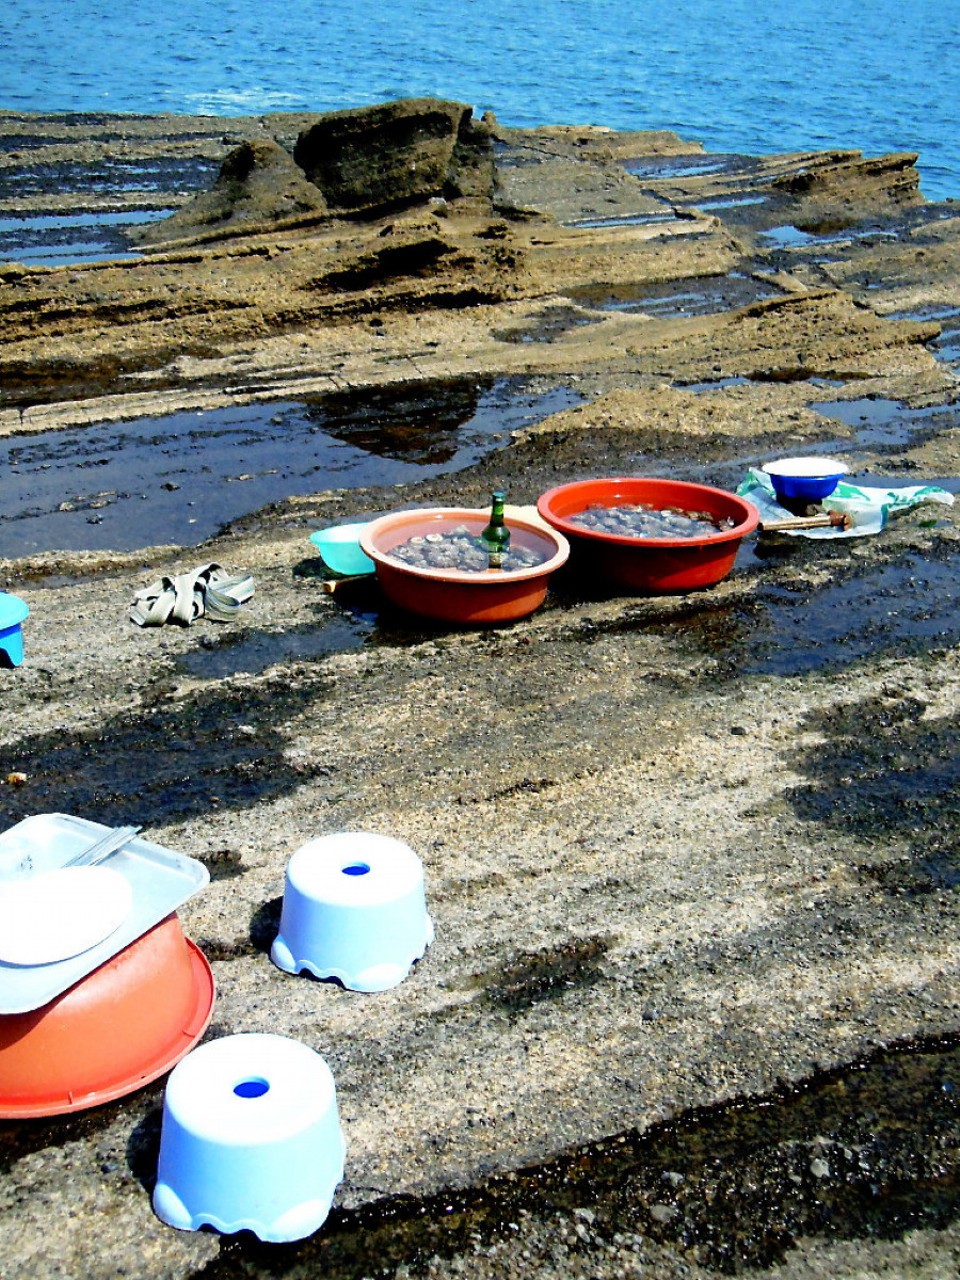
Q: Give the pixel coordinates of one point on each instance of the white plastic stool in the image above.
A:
(353, 909)
(250, 1140)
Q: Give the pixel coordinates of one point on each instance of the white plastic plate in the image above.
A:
(59, 914)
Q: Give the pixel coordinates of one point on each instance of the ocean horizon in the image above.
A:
(875, 77)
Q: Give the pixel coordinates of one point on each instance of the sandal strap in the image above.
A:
(225, 595)
(152, 606)
(189, 599)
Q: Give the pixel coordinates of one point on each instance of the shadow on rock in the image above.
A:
(265, 925)
(883, 771)
(174, 761)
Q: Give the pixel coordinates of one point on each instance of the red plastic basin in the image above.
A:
(650, 565)
(455, 595)
(114, 1031)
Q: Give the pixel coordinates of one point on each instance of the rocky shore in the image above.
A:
(686, 855)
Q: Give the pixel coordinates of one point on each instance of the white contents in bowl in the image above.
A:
(52, 916)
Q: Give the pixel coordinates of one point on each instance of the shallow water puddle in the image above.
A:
(96, 181)
(888, 423)
(908, 604)
(790, 237)
(903, 605)
(731, 201)
(947, 346)
(717, 384)
(61, 240)
(52, 237)
(623, 220)
(688, 166)
(552, 323)
(181, 478)
(695, 296)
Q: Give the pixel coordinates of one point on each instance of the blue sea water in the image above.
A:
(736, 75)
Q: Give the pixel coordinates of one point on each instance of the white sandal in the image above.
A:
(209, 590)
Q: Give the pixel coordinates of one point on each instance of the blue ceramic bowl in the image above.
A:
(805, 479)
(340, 547)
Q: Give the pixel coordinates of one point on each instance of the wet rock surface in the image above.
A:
(691, 1008)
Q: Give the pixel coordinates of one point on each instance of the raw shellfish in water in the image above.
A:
(459, 549)
(640, 520)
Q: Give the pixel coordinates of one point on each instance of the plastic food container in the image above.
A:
(805, 479)
(650, 565)
(115, 1030)
(354, 909)
(250, 1139)
(455, 595)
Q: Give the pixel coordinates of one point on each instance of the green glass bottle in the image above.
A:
(496, 536)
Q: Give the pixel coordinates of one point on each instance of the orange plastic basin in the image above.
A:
(650, 565)
(455, 595)
(117, 1029)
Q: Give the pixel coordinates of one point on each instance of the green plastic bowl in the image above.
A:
(340, 548)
